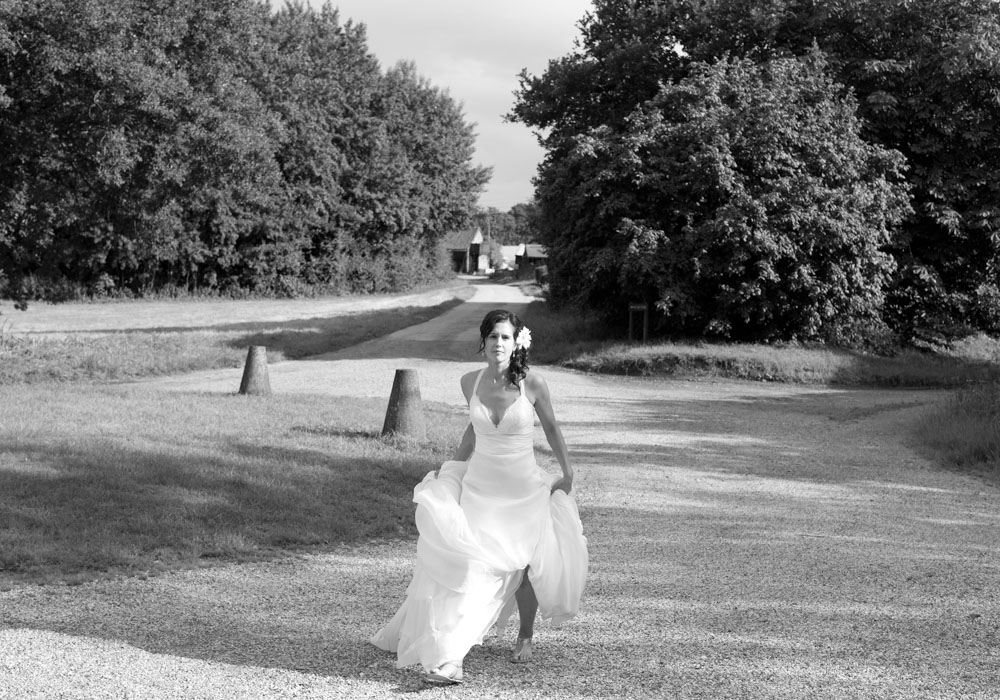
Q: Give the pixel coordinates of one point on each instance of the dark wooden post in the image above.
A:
(255, 380)
(632, 309)
(405, 413)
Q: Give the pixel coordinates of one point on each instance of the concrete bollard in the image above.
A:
(255, 380)
(405, 414)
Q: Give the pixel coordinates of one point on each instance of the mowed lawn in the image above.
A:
(101, 477)
(116, 355)
(98, 480)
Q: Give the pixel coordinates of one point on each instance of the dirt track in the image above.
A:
(747, 541)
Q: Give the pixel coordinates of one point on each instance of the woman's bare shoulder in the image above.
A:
(467, 381)
(535, 383)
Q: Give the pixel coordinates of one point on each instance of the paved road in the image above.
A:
(747, 541)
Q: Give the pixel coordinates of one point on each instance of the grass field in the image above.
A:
(100, 478)
(104, 479)
(117, 356)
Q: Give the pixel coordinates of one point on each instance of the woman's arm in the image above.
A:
(467, 446)
(553, 433)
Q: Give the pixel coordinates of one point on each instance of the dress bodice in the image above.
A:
(514, 431)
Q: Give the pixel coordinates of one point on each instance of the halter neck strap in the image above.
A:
(479, 377)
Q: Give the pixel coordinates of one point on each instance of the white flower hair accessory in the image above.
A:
(523, 338)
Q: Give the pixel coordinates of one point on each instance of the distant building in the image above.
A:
(467, 252)
(470, 252)
(531, 255)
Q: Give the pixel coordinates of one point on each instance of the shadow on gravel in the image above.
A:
(442, 346)
(305, 338)
(773, 437)
(681, 602)
(313, 616)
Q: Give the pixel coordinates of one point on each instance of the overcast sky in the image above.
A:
(475, 49)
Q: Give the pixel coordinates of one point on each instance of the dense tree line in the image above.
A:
(517, 225)
(777, 169)
(218, 146)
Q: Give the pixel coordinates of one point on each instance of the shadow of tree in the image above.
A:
(911, 369)
(127, 507)
(445, 344)
(676, 600)
(303, 338)
(752, 435)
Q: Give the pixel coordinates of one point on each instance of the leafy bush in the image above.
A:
(219, 147)
(741, 200)
(923, 76)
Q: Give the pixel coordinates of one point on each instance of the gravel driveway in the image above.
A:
(747, 541)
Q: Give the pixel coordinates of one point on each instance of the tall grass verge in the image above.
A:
(793, 364)
(100, 479)
(559, 335)
(133, 355)
(963, 431)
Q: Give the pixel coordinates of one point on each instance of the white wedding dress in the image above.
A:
(481, 523)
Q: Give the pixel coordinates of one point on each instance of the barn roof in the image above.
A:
(460, 240)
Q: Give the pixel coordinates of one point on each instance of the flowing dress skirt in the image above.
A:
(481, 523)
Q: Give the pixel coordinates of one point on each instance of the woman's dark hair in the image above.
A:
(518, 367)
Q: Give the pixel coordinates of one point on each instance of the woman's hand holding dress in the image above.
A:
(565, 483)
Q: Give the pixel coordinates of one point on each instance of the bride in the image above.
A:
(496, 531)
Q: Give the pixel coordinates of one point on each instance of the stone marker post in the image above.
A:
(255, 380)
(405, 414)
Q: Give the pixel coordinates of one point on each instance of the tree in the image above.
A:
(519, 224)
(215, 145)
(741, 200)
(221, 152)
(431, 147)
(926, 76)
(524, 222)
(135, 154)
(323, 82)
